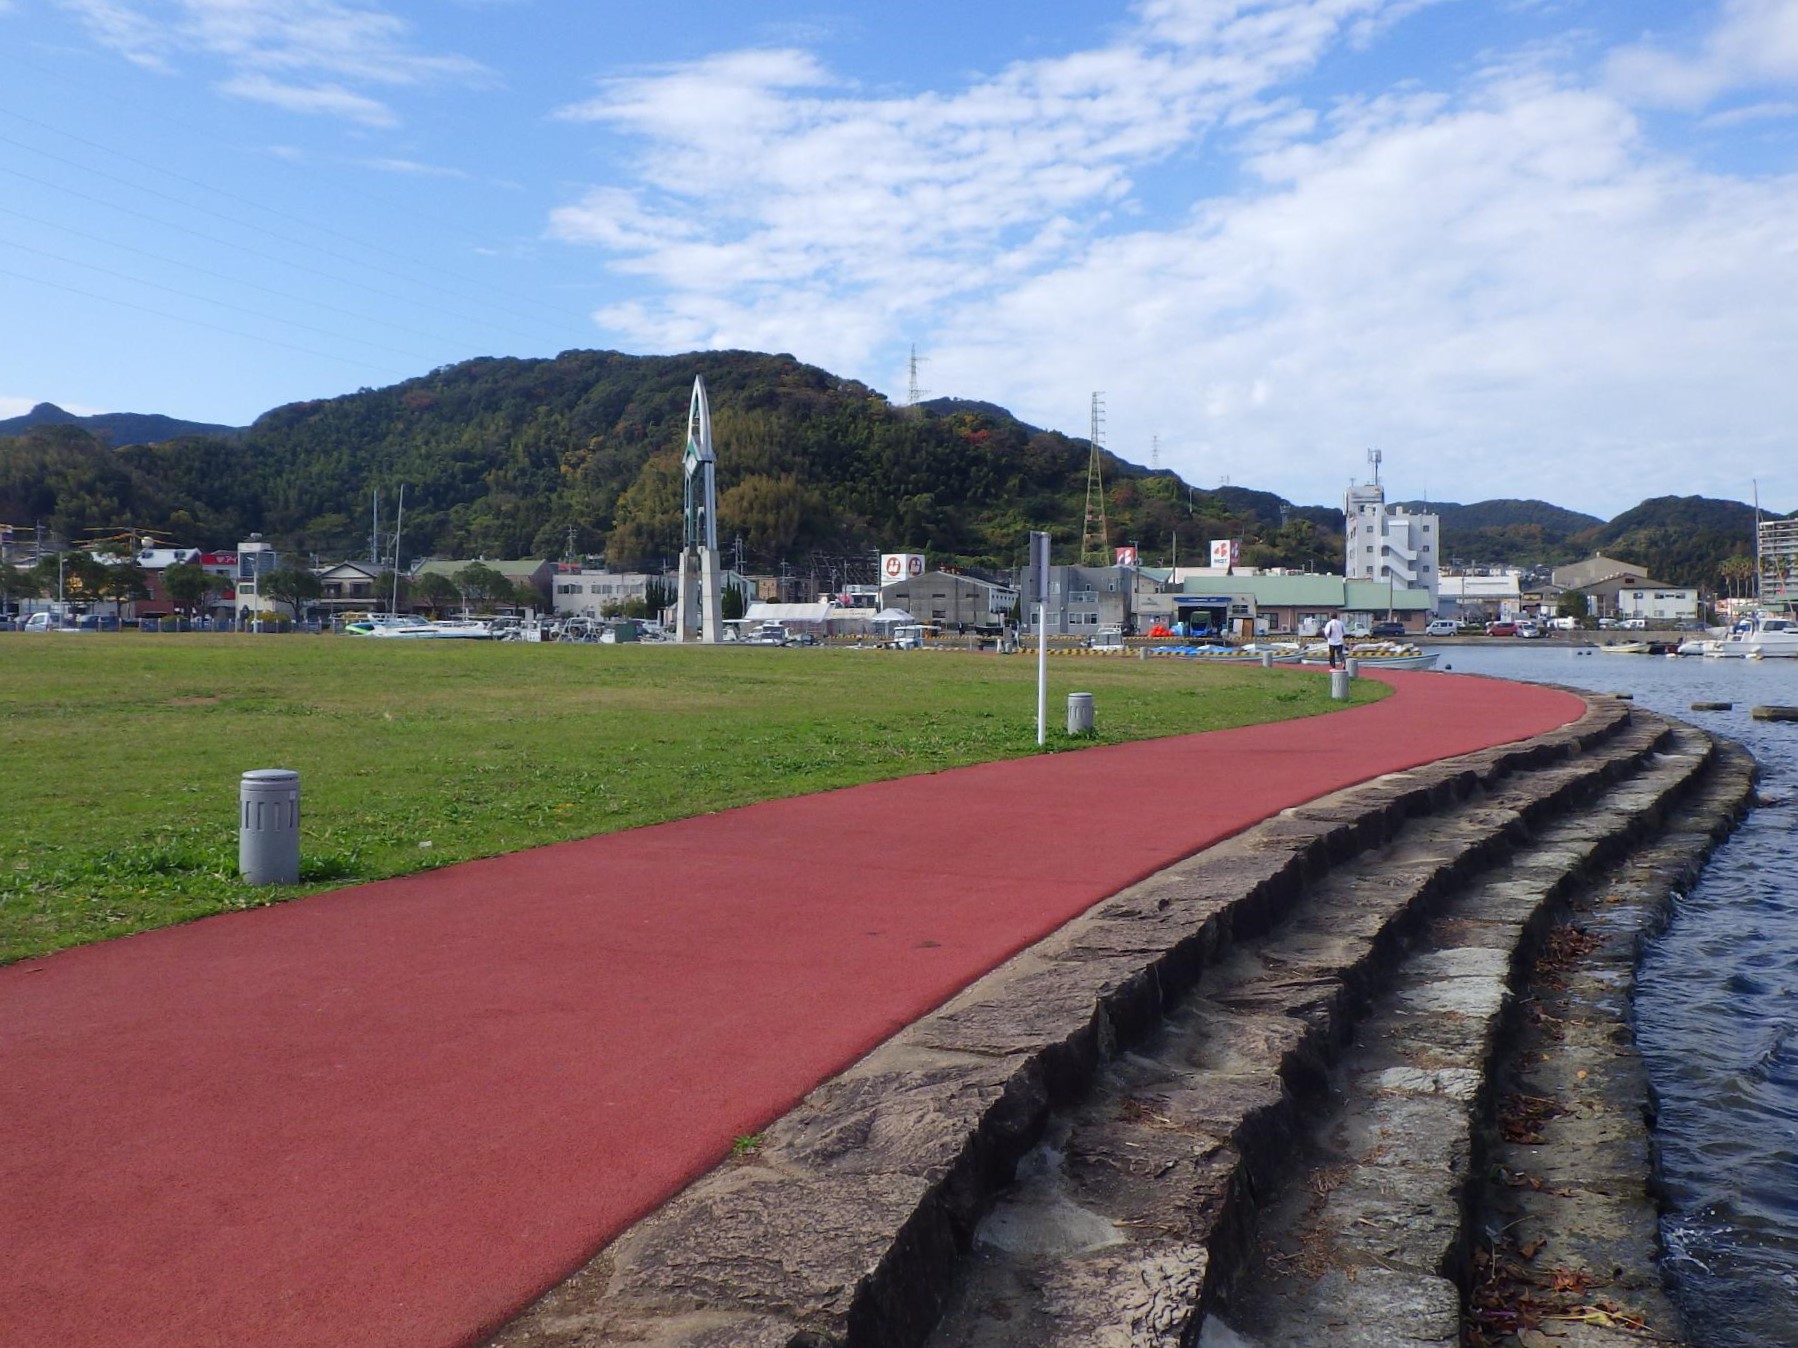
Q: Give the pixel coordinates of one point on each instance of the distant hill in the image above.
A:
(1679, 539)
(117, 428)
(508, 458)
(1507, 532)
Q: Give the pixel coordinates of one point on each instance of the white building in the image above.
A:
(1390, 544)
(1480, 596)
(1659, 604)
(588, 594)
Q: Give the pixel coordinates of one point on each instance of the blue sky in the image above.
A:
(1525, 247)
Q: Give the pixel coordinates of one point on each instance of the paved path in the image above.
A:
(391, 1115)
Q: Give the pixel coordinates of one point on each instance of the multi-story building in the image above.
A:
(1779, 562)
(1388, 544)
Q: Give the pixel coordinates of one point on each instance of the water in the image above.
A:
(1717, 1003)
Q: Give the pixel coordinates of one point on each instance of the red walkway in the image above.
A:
(392, 1114)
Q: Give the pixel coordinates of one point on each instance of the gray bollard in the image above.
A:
(1339, 685)
(1352, 666)
(268, 830)
(1080, 713)
(1267, 659)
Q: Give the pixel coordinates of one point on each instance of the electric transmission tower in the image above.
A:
(1095, 535)
(914, 394)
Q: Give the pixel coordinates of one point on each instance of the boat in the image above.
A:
(384, 624)
(1216, 653)
(1379, 655)
(1627, 648)
(1763, 636)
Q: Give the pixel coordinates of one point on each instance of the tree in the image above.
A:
(294, 586)
(16, 584)
(1738, 573)
(436, 592)
(1572, 604)
(527, 596)
(482, 586)
(386, 587)
(732, 604)
(123, 582)
(188, 585)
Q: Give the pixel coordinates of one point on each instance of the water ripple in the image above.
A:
(1717, 1006)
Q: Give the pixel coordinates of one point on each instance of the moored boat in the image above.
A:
(1765, 636)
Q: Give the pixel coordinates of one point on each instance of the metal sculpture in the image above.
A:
(701, 612)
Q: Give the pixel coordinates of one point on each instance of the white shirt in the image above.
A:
(1333, 632)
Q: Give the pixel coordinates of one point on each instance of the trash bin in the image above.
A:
(1353, 666)
(268, 833)
(1339, 684)
(1080, 713)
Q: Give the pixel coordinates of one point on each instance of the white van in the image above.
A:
(1442, 627)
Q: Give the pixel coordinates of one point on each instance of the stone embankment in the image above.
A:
(1275, 1092)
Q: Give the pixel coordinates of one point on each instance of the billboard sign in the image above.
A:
(1125, 556)
(1225, 552)
(897, 566)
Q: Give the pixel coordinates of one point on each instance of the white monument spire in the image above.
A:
(699, 575)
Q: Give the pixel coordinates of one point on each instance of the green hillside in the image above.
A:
(506, 457)
(1679, 539)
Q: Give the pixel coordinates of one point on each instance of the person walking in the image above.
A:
(1333, 638)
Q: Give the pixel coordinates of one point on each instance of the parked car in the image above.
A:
(1528, 629)
(1442, 627)
(1501, 629)
(1359, 632)
(1388, 630)
(1634, 624)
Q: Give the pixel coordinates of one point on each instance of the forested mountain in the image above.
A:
(1508, 532)
(1679, 539)
(511, 458)
(505, 457)
(115, 428)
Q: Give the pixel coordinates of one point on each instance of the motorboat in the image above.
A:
(1626, 648)
(1763, 636)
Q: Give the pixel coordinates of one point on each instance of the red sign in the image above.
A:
(1126, 556)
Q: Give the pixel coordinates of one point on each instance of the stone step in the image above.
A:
(847, 1222)
(1164, 1162)
(1368, 1240)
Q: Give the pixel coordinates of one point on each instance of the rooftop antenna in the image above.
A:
(1095, 493)
(914, 394)
(1373, 457)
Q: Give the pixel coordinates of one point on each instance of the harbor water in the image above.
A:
(1717, 1003)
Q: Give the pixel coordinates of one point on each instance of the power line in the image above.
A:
(257, 252)
(201, 323)
(266, 209)
(217, 275)
(207, 132)
(222, 304)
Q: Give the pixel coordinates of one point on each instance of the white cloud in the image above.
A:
(1753, 45)
(1503, 285)
(329, 100)
(312, 56)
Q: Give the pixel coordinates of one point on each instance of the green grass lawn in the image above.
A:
(118, 804)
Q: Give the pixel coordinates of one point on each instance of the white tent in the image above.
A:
(891, 615)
